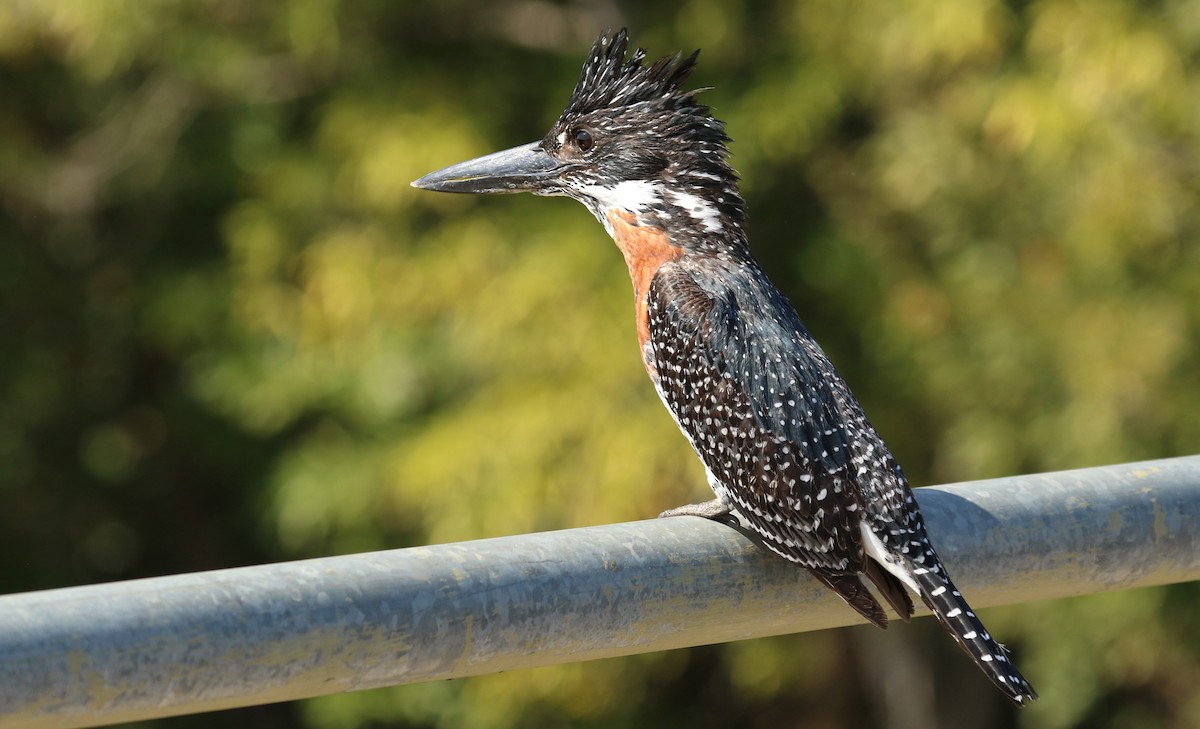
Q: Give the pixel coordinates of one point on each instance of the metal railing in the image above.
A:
(88, 656)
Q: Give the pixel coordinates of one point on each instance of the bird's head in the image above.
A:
(629, 140)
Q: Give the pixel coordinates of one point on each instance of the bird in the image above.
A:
(784, 443)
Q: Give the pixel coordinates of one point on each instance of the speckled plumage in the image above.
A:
(784, 442)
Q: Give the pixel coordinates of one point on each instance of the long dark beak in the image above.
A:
(524, 168)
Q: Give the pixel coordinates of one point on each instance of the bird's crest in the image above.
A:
(608, 81)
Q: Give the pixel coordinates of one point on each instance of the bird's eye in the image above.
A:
(583, 140)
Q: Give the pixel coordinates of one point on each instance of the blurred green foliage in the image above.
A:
(232, 332)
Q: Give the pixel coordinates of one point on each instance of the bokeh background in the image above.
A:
(231, 333)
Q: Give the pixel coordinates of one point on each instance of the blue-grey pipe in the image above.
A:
(88, 656)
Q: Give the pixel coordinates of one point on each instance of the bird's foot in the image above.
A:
(714, 509)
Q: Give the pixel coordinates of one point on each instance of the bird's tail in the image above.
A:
(959, 620)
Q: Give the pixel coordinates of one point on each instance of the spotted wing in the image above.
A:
(754, 395)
